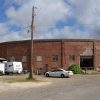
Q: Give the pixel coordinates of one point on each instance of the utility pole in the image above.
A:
(31, 45)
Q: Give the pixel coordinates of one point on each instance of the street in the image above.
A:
(78, 87)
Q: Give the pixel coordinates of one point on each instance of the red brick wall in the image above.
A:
(97, 54)
(3, 51)
(75, 48)
(18, 50)
(46, 49)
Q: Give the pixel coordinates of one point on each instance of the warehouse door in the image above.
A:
(86, 61)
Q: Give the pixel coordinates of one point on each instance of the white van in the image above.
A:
(13, 67)
(3, 62)
(2, 68)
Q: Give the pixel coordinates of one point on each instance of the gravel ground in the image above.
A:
(16, 82)
(78, 87)
(6, 87)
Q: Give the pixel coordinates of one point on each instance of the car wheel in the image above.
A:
(62, 75)
(47, 75)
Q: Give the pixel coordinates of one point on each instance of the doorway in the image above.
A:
(86, 61)
(45, 68)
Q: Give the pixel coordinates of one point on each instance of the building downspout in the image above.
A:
(61, 53)
(94, 52)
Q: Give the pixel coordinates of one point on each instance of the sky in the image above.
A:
(54, 19)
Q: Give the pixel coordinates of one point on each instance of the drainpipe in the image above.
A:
(61, 53)
(94, 53)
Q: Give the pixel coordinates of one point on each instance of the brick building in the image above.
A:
(53, 53)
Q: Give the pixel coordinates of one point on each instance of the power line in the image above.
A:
(22, 29)
(41, 26)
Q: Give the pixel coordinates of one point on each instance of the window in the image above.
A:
(56, 70)
(10, 65)
(54, 57)
(72, 57)
(38, 58)
(24, 59)
(53, 70)
(12, 58)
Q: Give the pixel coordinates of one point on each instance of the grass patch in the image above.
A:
(23, 80)
(16, 79)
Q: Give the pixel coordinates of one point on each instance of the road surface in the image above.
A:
(79, 87)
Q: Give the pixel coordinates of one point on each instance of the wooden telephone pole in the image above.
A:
(31, 45)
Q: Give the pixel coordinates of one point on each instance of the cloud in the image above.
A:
(14, 36)
(21, 16)
(48, 14)
(87, 13)
(45, 15)
(3, 28)
(66, 32)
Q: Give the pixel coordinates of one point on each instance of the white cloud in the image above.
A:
(66, 32)
(45, 14)
(3, 28)
(87, 12)
(49, 12)
(14, 36)
(21, 16)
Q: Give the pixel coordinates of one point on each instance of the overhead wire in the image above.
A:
(22, 29)
(29, 26)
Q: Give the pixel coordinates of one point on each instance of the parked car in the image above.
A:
(59, 73)
(70, 73)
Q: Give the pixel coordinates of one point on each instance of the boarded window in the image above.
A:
(72, 57)
(24, 59)
(38, 58)
(12, 58)
(54, 57)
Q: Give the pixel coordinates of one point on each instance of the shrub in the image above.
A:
(76, 69)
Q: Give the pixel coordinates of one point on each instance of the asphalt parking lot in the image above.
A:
(78, 87)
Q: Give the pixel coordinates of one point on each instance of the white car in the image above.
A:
(59, 73)
(70, 73)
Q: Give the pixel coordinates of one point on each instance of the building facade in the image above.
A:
(53, 53)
